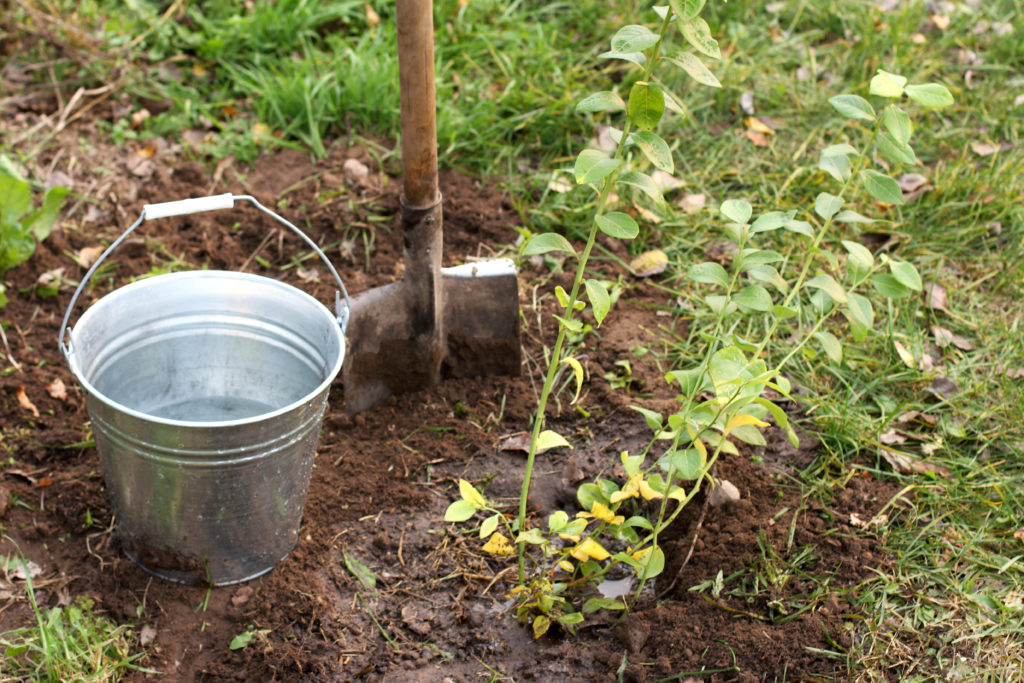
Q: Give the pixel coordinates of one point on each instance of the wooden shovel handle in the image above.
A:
(415, 24)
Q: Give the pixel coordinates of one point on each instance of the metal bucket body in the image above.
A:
(206, 391)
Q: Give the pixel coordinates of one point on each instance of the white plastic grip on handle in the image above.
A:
(187, 206)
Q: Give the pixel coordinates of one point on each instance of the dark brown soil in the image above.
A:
(382, 480)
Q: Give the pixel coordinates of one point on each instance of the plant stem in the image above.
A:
(556, 353)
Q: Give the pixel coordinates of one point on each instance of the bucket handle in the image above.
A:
(196, 205)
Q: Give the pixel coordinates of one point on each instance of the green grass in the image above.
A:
(67, 643)
(509, 75)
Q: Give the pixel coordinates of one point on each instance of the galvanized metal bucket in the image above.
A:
(206, 390)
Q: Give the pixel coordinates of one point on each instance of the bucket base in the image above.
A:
(194, 578)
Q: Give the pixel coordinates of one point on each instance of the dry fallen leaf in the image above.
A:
(515, 442)
(57, 390)
(24, 401)
(1018, 100)
(935, 297)
(649, 263)
(759, 139)
(909, 182)
(87, 256)
(906, 464)
(648, 215)
(876, 521)
(891, 437)
(912, 415)
(372, 18)
(905, 356)
(940, 21)
(944, 387)
(560, 185)
(693, 203)
(984, 149)
(918, 38)
(139, 117)
(944, 337)
(1019, 534)
(18, 571)
(666, 182)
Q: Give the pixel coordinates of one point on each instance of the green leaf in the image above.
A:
(853, 107)
(708, 273)
(655, 564)
(654, 420)
(588, 494)
(827, 205)
(635, 57)
(241, 640)
(600, 300)
(800, 227)
(690, 381)
(781, 419)
(754, 298)
(885, 84)
(837, 166)
(359, 570)
(686, 9)
(827, 284)
(687, 465)
(15, 198)
(646, 105)
(757, 257)
(833, 349)
(633, 38)
(571, 325)
(489, 526)
(41, 221)
(889, 286)
(691, 64)
(890, 148)
(840, 149)
(773, 220)
(605, 100)
(737, 210)
(549, 439)
(931, 95)
(897, 122)
(697, 33)
(545, 242)
(784, 312)
(594, 604)
(847, 216)
(906, 273)
(644, 183)
(469, 494)
(617, 224)
(459, 511)
(860, 256)
(563, 299)
(861, 316)
(881, 187)
(533, 536)
(593, 166)
(766, 273)
(719, 304)
(655, 149)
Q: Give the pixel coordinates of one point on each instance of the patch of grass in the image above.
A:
(67, 643)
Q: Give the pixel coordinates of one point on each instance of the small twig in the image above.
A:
(693, 544)
(7, 349)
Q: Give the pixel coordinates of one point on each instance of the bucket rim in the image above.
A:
(332, 374)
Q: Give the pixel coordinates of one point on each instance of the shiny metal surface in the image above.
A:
(206, 392)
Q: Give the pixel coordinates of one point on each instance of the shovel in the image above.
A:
(461, 321)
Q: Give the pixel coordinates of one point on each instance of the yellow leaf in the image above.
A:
(649, 263)
(541, 624)
(757, 125)
(602, 512)
(549, 439)
(697, 443)
(469, 494)
(260, 131)
(577, 370)
(639, 555)
(499, 545)
(566, 566)
(742, 420)
(647, 492)
(589, 549)
(630, 490)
